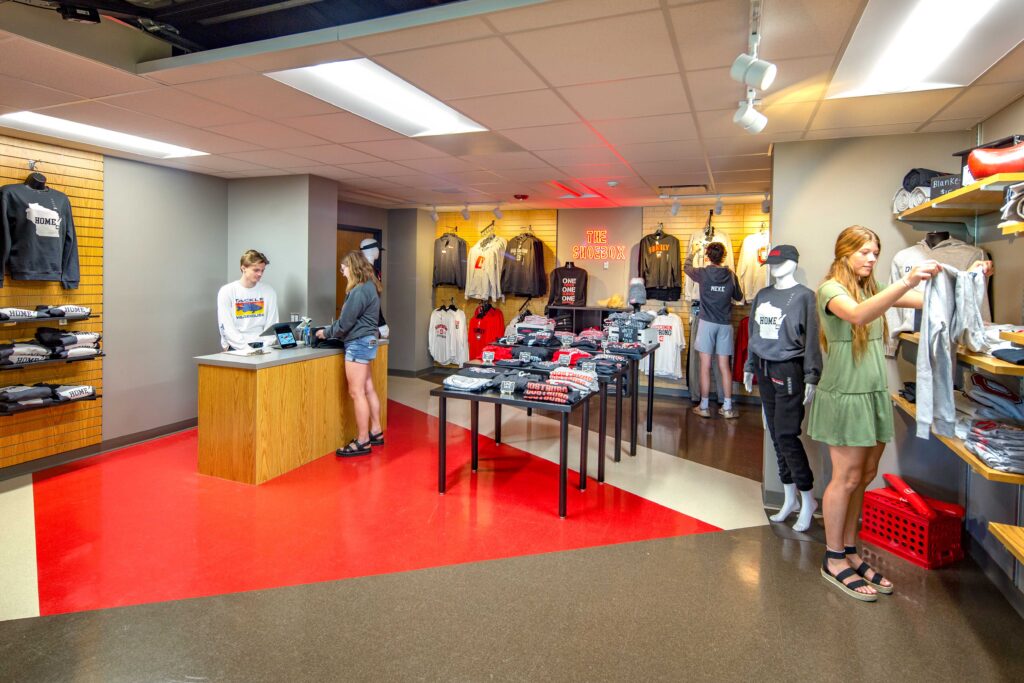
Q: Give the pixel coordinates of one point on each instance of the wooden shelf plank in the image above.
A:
(977, 360)
(984, 196)
(1012, 537)
(958, 448)
(1014, 228)
(1015, 337)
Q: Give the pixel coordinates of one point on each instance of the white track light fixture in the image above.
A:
(766, 204)
(719, 206)
(748, 69)
(465, 212)
(675, 208)
(498, 213)
(433, 213)
(747, 117)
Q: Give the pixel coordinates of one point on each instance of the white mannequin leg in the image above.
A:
(788, 505)
(807, 507)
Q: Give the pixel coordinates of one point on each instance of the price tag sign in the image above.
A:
(564, 359)
(508, 387)
(525, 356)
(488, 357)
(589, 366)
(566, 342)
(613, 334)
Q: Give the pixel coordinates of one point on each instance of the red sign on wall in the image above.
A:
(596, 248)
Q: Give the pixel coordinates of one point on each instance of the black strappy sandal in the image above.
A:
(377, 439)
(839, 579)
(353, 449)
(864, 568)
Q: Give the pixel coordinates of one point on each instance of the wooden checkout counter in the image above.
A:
(261, 416)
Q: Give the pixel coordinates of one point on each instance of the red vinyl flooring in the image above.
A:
(140, 525)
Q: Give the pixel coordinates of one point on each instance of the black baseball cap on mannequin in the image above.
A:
(783, 252)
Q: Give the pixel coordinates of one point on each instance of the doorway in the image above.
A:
(349, 237)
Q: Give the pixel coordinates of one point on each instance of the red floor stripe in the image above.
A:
(140, 525)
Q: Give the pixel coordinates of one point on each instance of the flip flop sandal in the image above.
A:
(864, 568)
(353, 448)
(839, 579)
(377, 439)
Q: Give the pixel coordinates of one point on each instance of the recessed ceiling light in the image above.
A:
(931, 44)
(31, 122)
(371, 91)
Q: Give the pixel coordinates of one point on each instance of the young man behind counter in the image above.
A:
(247, 306)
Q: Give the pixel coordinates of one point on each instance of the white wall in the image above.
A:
(624, 226)
(322, 248)
(165, 237)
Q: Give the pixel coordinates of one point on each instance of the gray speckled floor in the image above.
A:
(740, 605)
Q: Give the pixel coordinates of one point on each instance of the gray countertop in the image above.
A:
(268, 360)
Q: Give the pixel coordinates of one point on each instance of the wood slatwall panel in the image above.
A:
(40, 433)
(737, 220)
(544, 224)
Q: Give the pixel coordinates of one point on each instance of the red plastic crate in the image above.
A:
(893, 525)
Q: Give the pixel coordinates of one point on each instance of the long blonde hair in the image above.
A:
(359, 270)
(849, 242)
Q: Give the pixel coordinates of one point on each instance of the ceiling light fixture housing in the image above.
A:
(465, 212)
(719, 205)
(374, 93)
(498, 213)
(433, 213)
(675, 208)
(748, 68)
(30, 122)
(747, 117)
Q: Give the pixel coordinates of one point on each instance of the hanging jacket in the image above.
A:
(450, 260)
(38, 238)
(522, 270)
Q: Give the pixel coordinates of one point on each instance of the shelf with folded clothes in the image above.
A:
(978, 198)
(982, 361)
(958, 447)
(1015, 337)
(39, 321)
(55, 404)
(50, 361)
(1012, 228)
(1012, 538)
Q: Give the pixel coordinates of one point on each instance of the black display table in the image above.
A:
(634, 390)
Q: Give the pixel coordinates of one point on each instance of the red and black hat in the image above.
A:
(783, 252)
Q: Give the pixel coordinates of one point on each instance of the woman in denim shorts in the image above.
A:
(357, 328)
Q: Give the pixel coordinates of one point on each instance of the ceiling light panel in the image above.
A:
(31, 122)
(925, 45)
(374, 93)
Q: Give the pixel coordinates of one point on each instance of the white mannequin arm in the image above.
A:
(809, 390)
(748, 381)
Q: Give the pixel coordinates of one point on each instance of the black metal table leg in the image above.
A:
(442, 442)
(529, 412)
(618, 417)
(563, 462)
(650, 392)
(634, 407)
(584, 438)
(497, 423)
(602, 430)
(474, 422)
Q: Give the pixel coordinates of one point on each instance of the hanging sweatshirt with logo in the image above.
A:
(38, 238)
(568, 287)
(784, 325)
(450, 260)
(659, 266)
(522, 271)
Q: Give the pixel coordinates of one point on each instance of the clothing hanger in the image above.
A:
(763, 228)
(664, 309)
(569, 264)
(709, 230)
(660, 231)
(451, 304)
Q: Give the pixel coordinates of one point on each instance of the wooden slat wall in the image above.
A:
(40, 433)
(544, 224)
(738, 220)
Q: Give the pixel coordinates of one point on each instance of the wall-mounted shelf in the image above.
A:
(51, 405)
(39, 321)
(51, 361)
(1014, 228)
(1015, 337)
(958, 448)
(978, 360)
(959, 206)
(1012, 538)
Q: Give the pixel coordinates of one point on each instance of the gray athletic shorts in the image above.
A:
(714, 338)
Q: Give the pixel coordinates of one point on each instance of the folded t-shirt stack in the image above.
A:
(999, 444)
(23, 353)
(631, 350)
(545, 339)
(45, 311)
(536, 353)
(21, 397)
(580, 380)
(574, 355)
(500, 352)
(550, 393)
(69, 344)
(520, 379)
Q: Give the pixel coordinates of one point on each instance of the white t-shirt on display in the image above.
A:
(668, 359)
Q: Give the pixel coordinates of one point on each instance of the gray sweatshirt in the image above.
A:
(358, 314)
(784, 325)
(718, 289)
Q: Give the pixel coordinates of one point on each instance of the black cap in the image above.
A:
(783, 252)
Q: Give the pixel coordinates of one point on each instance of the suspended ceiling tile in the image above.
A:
(224, 163)
(663, 168)
(378, 169)
(198, 72)
(439, 165)
(711, 34)
(650, 96)
(518, 110)
(332, 154)
(181, 107)
(554, 137)
(861, 131)
(630, 46)
(371, 184)
(298, 57)
(527, 175)
(397, 150)
(805, 28)
(787, 118)
(341, 127)
(948, 126)
(208, 142)
(420, 181)
(267, 134)
(566, 12)
(63, 71)
(120, 120)
(661, 151)
(881, 109)
(20, 95)
(422, 36)
(756, 187)
(714, 89)
(981, 101)
(241, 175)
(271, 157)
(469, 69)
(472, 177)
(505, 160)
(657, 181)
(594, 170)
(326, 171)
(799, 80)
(746, 162)
(261, 96)
(1009, 68)
(583, 155)
(750, 176)
(740, 143)
(648, 129)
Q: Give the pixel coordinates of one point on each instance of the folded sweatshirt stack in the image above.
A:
(999, 444)
(21, 397)
(69, 344)
(23, 353)
(45, 311)
(547, 392)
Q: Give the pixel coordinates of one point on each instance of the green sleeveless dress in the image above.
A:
(851, 406)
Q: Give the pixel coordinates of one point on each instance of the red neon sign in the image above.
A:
(596, 248)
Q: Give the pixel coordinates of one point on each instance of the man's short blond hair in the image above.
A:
(252, 257)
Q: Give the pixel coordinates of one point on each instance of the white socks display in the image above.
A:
(808, 505)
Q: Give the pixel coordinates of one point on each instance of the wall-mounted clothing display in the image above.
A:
(660, 266)
(483, 269)
(486, 326)
(449, 260)
(698, 243)
(668, 360)
(448, 338)
(522, 271)
(751, 267)
(568, 286)
(38, 239)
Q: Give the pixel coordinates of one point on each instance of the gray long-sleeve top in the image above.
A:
(359, 314)
(784, 325)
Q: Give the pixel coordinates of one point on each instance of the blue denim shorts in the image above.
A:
(361, 350)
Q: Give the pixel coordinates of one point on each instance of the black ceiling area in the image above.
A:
(198, 25)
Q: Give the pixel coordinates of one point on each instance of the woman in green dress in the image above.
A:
(851, 411)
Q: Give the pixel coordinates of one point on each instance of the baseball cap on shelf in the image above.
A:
(370, 243)
(783, 252)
